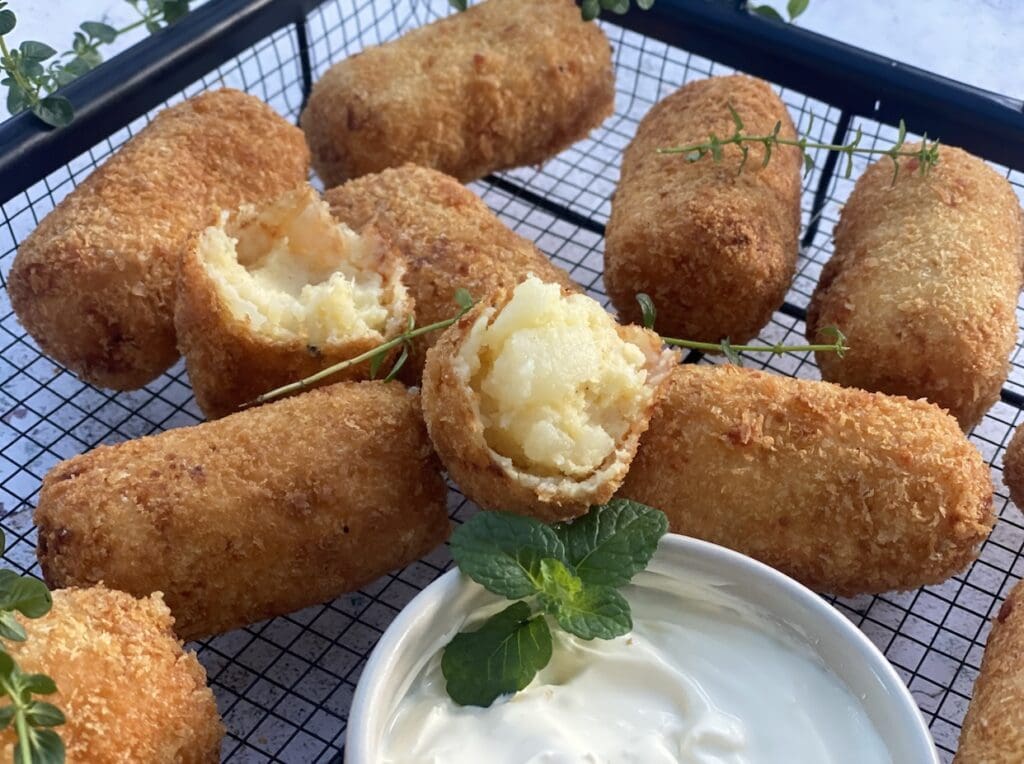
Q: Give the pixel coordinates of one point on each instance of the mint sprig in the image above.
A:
(568, 572)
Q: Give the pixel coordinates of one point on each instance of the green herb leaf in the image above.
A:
(6, 716)
(47, 748)
(615, 6)
(54, 110)
(7, 21)
(594, 612)
(767, 12)
(459, 5)
(501, 657)
(463, 299)
(399, 363)
(796, 7)
(613, 542)
(100, 31)
(42, 714)
(36, 51)
(174, 10)
(502, 552)
(590, 9)
(645, 5)
(730, 352)
(648, 313)
(17, 101)
(39, 684)
(558, 583)
(10, 628)
(808, 164)
(29, 596)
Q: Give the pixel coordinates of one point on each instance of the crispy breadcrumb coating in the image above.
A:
(924, 283)
(1013, 467)
(715, 247)
(449, 238)
(94, 283)
(536, 402)
(992, 732)
(128, 690)
(254, 515)
(848, 492)
(504, 84)
(278, 292)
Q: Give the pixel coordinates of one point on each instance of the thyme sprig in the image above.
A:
(927, 155)
(30, 85)
(376, 356)
(838, 346)
(33, 720)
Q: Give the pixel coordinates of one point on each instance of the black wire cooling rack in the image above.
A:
(284, 686)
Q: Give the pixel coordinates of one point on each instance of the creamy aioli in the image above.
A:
(701, 679)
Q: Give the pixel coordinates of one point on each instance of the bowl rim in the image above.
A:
(399, 634)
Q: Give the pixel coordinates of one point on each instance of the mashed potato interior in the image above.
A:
(293, 271)
(558, 388)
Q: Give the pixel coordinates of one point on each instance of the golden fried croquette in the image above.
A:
(1013, 467)
(280, 291)
(94, 283)
(924, 284)
(713, 245)
(505, 84)
(848, 492)
(536, 401)
(128, 690)
(261, 513)
(992, 732)
(449, 238)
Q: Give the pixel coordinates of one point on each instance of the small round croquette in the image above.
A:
(127, 688)
(846, 491)
(1013, 467)
(714, 247)
(254, 515)
(449, 238)
(506, 83)
(94, 283)
(993, 730)
(924, 283)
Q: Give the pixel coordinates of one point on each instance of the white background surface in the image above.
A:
(975, 41)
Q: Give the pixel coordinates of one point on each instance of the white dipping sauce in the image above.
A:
(701, 679)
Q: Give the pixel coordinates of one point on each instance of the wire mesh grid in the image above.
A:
(284, 686)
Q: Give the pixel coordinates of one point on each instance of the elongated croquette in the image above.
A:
(992, 732)
(257, 514)
(924, 283)
(94, 283)
(129, 691)
(449, 237)
(504, 84)
(849, 492)
(713, 245)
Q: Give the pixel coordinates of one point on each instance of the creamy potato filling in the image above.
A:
(557, 387)
(291, 270)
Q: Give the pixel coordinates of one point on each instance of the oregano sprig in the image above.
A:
(33, 720)
(927, 155)
(31, 85)
(567, 574)
(731, 351)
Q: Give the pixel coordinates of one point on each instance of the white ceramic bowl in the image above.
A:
(440, 609)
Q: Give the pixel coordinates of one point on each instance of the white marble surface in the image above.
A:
(975, 41)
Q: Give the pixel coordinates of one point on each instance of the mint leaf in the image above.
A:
(502, 552)
(613, 542)
(499, 658)
(594, 612)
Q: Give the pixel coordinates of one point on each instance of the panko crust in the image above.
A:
(992, 732)
(924, 283)
(94, 283)
(1013, 467)
(257, 514)
(452, 414)
(450, 239)
(128, 689)
(848, 492)
(504, 84)
(229, 364)
(714, 247)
